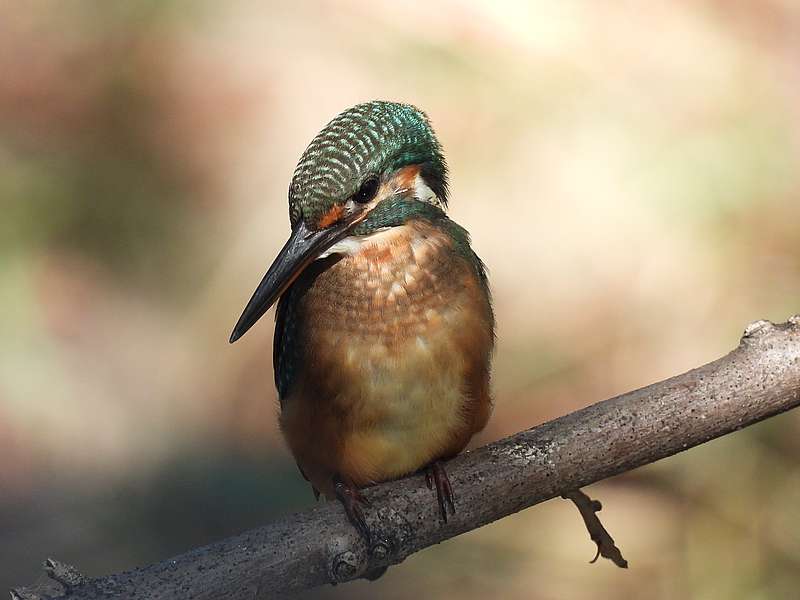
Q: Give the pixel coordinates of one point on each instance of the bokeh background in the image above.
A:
(630, 175)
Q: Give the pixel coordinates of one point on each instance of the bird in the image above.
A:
(384, 329)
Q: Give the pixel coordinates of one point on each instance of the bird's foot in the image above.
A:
(435, 474)
(352, 500)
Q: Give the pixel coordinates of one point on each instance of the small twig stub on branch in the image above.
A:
(600, 536)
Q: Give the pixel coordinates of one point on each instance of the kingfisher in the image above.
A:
(384, 329)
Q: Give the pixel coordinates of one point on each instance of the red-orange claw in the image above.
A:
(444, 490)
(352, 499)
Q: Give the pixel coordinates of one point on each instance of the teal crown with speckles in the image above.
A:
(368, 139)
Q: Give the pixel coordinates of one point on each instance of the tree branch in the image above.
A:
(759, 379)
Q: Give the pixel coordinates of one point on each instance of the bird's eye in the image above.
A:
(367, 190)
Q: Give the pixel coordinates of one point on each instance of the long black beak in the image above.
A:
(302, 248)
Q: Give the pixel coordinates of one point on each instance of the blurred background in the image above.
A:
(629, 175)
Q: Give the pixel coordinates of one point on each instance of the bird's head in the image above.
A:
(353, 179)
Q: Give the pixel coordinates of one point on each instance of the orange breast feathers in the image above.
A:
(398, 338)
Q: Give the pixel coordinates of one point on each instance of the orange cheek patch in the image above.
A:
(405, 178)
(332, 216)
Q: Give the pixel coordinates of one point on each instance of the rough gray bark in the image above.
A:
(759, 379)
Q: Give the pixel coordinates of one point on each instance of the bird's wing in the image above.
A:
(282, 354)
